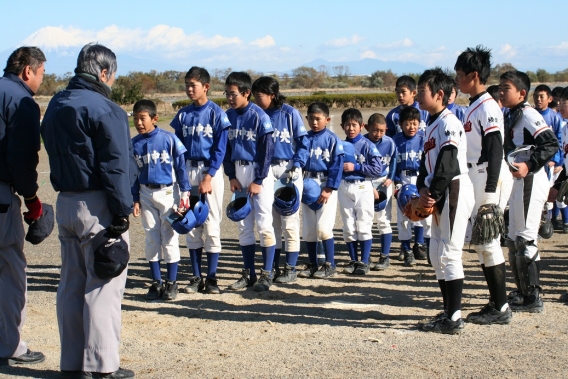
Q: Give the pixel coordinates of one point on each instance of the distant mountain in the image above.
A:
(368, 65)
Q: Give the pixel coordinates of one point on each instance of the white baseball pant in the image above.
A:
(356, 206)
(287, 226)
(383, 218)
(318, 225)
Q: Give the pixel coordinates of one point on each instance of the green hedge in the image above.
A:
(362, 100)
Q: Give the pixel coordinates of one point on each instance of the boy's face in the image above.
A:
(263, 100)
(195, 90)
(405, 96)
(410, 127)
(563, 108)
(144, 123)
(452, 97)
(352, 128)
(465, 81)
(427, 100)
(236, 99)
(509, 95)
(317, 121)
(376, 131)
(541, 100)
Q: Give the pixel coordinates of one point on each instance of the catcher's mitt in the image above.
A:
(416, 212)
(563, 192)
(488, 224)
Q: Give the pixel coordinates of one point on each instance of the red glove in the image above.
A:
(35, 209)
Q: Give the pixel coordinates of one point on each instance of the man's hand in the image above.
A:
(376, 194)
(348, 167)
(522, 170)
(425, 198)
(136, 211)
(205, 185)
(324, 195)
(254, 189)
(387, 183)
(235, 185)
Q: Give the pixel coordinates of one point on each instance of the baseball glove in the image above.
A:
(416, 212)
(488, 224)
(563, 192)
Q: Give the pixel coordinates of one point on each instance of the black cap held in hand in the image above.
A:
(41, 228)
(111, 257)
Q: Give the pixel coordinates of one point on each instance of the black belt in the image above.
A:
(410, 172)
(157, 186)
(355, 180)
(470, 165)
(312, 174)
(243, 163)
(196, 163)
(279, 161)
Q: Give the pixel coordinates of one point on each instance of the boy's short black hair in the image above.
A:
(198, 73)
(318, 107)
(268, 85)
(437, 80)
(240, 79)
(351, 114)
(564, 94)
(557, 91)
(145, 106)
(493, 91)
(377, 118)
(408, 114)
(406, 81)
(543, 88)
(475, 60)
(519, 79)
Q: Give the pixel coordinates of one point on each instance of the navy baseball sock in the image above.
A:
(312, 252)
(454, 289)
(195, 255)
(292, 259)
(405, 245)
(564, 212)
(212, 261)
(352, 250)
(268, 257)
(329, 248)
(386, 241)
(427, 242)
(155, 271)
(418, 234)
(442, 284)
(320, 254)
(172, 271)
(277, 253)
(496, 282)
(248, 258)
(555, 211)
(366, 250)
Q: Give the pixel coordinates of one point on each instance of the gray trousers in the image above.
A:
(12, 275)
(88, 308)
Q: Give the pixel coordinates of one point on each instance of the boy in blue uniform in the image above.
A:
(325, 167)
(362, 162)
(160, 158)
(405, 93)
(203, 128)
(247, 164)
(456, 109)
(290, 155)
(377, 127)
(409, 149)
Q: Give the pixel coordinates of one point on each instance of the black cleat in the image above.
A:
(156, 291)
(420, 251)
(400, 256)
(211, 286)
(382, 264)
(431, 320)
(325, 271)
(170, 290)
(121, 373)
(289, 275)
(244, 281)
(350, 267)
(28, 358)
(264, 281)
(361, 268)
(515, 297)
(488, 315)
(309, 271)
(445, 326)
(195, 285)
(534, 307)
(409, 258)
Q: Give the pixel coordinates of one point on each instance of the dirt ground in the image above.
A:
(344, 327)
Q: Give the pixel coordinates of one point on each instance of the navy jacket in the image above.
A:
(87, 138)
(19, 135)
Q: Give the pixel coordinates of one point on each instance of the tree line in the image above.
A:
(137, 85)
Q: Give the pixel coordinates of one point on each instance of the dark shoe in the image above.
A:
(264, 281)
(28, 358)
(243, 282)
(325, 271)
(515, 297)
(534, 307)
(361, 268)
(276, 272)
(211, 286)
(420, 252)
(565, 228)
(431, 320)
(383, 264)
(72, 374)
(121, 373)
(308, 272)
(488, 315)
(445, 326)
(557, 224)
(170, 290)
(289, 275)
(194, 286)
(156, 291)
(400, 256)
(564, 297)
(409, 258)
(350, 267)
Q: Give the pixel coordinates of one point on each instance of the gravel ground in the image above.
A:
(344, 327)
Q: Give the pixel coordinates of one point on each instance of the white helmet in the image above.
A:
(520, 154)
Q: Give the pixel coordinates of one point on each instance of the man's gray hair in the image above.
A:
(94, 58)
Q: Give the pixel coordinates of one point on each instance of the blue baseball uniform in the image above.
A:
(458, 110)
(204, 131)
(393, 116)
(554, 120)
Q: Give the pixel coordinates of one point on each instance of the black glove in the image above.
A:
(119, 225)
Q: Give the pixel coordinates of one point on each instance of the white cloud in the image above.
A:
(345, 41)
(406, 42)
(368, 54)
(507, 51)
(263, 42)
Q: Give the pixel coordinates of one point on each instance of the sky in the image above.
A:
(278, 35)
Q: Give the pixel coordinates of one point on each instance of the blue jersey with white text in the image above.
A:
(325, 155)
(159, 154)
(554, 120)
(387, 149)
(203, 130)
(290, 141)
(364, 155)
(458, 110)
(409, 152)
(392, 119)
